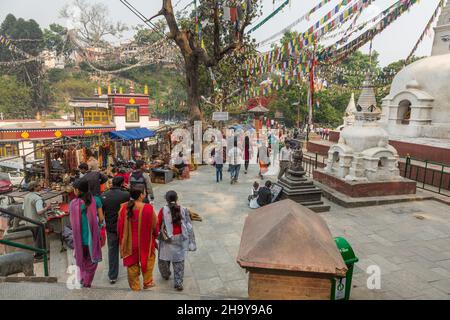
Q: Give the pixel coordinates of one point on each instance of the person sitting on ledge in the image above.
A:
(264, 196)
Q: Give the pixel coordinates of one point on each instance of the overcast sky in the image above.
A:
(393, 44)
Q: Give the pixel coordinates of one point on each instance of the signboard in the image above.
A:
(339, 290)
(276, 191)
(220, 116)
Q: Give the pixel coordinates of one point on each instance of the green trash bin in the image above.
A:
(340, 289)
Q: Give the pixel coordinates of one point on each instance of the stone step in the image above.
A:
(59, 291)
(37, 279)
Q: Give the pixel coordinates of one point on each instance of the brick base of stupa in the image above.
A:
(356, 189)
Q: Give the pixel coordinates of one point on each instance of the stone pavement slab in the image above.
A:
(412, 252)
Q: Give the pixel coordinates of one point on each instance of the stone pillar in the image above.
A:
(357, 170)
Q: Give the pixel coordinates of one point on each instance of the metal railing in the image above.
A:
(429, 175)
(41, 229)
(311, 163)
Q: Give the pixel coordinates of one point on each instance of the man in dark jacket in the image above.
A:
(265, 194)
(139, 178)
(94, 179)
(111, 200)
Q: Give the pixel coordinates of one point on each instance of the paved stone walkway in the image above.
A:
(410, 242)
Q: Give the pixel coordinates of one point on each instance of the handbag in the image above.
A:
(192, 246)
(103, 236)
(163, 235)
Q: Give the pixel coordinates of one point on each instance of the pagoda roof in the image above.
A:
(259, 108)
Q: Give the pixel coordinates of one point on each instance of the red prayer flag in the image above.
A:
(233, 13)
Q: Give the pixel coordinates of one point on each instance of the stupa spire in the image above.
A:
(366, 108)
(351, 108)
(441, 43)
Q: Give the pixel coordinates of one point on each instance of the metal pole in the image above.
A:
(425, 174)
(406, 165)
(442, 177)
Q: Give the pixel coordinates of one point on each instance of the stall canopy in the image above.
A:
(132, 134)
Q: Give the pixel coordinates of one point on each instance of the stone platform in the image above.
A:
(357, 189)
(304, 192)
(299, 188)
(437, 150)
(352, 202)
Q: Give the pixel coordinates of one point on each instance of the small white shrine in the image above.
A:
(349, 117)
(363, 152)
(418, 104)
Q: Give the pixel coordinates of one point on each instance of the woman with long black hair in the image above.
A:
(137, 232)
(86, 219)
(176, 237)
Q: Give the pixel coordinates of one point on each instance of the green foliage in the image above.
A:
(55, 39)
(145, 36)
(56, 75)
(15, 99)
(29, 74)
(69, 85)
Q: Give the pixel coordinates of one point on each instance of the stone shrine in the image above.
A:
(299, 188)
(418, 105)
(349, 117)
(362, 163)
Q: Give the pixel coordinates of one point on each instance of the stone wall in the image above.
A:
(422, 152)
(365, 189)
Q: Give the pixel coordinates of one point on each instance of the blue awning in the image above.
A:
(132, 134)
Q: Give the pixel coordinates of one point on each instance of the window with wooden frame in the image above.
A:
(132, 114)
(9, 149)
(92, 116)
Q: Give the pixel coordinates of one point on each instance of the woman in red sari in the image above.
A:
(137, 232)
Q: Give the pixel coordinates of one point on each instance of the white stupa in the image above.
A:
(363, 152)
(418, 105)
(349, 118)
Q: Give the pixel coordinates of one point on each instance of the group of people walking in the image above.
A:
(135, 233)
(237, 156)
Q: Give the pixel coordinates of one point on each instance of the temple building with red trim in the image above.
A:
(92, 116)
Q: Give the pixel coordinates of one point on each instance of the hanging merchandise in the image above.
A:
(227, 13)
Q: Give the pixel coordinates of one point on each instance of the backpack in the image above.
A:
(67, 237)
(137, 178)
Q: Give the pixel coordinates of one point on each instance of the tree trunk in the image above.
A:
(192, 83)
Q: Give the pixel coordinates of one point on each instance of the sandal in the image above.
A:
(148, 286)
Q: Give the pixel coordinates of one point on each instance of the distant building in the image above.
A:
(52, 60)
(129, 50)
(22, 137)
(123, 110)
(92, 116)
(94, 54)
